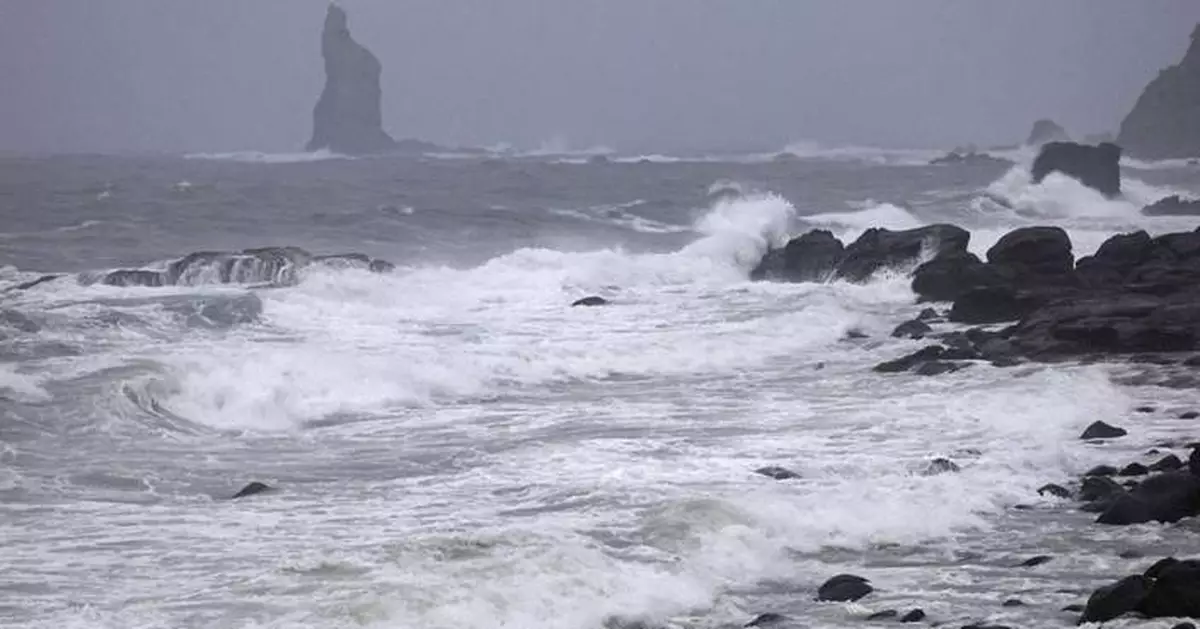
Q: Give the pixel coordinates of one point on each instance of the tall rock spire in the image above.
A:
(347, 118)
(1165, 121)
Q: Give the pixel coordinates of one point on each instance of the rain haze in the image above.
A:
(225, 75)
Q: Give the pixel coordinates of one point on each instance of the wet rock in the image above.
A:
(1184, 625)
(776, 472)
(1058, 491)
(1097, 167)
(1168, 463)
(765, 620)
(1046, 130)
(1036, 561)
(844, 587)
(855, 333)
(1101, 430)
(940, 465)
(914, 615)
(1013, 602)
(1074, 607)
(1167, 497)
(1099, 488)
(133, 277)
(904, 363)
(1129, 554)
(987, 304)
(937, 368)
(1144, 409)
(811, 257)
(914, 329)
(886, 614)
(1118, 598)
(1102, 470)
(1134, 469)
(252, 489)
(41, 280)
(1034, 252)
(879, 248)
(951, 275)
(1189, 415)
(592, 300)
(928, 314)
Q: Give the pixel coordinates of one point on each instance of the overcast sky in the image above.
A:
(635, 75)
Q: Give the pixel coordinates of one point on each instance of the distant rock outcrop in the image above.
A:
(1173, 205)
(1165, 121)
(347, 118)
(1097, 167)
(1046, 130)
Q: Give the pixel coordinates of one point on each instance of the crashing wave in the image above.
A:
(275, 266)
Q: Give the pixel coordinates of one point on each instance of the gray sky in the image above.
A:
(635, 75)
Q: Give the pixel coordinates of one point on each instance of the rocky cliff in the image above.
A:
(1165, 121)
(347, 117)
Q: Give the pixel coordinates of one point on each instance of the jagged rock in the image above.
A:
(844, 587)
(1097, 167)
(252, 489)
(927, 314)
(591, 300)
(1044, 131)
(904, 363)
(880, 248)
(1058, 491)
(1113, 600)
(1101, 430)
(914, 329)
(347, 118)
(811, 257)
(1163, 122)
(1166, 497)
(776, 472)
(1173, 205)
(277, 266)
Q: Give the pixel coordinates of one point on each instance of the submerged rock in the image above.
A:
(1097, 167)
(592, 300)
(252, 489)
(776, 472)
(1163, 123)
(1101, 430)
(347, 118)
(844, 587)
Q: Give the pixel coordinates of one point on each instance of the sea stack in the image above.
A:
(347, 117)
(1097, 167)
(1165, 121)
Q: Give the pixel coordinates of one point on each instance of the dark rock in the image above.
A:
(1130, 554)
(347, 118)
(1102, 470)
(763, 620)
(1134, 469)
(914, 329)
(1036, 561)
(41, 280)
(1162, 123)
(1044, 131)
(950, 275)
(1173, 205)
(904, 363)
(133, 277)
(1058, 491)
(1118, 598)
(776, 472)
(1096, 488)
(1168, 463)
(1189, 415)
(878, 249)
(1101, 430)
(591, 300)
(844, 587)
(968, 158)
(252, 489)
(884, 615)
(1144, 409)
(811, 257)
(915, 615)
(1167, 497)
(988, 304)
(937, 368)
(1175, 592)
(1073, 607)
(1097, 167)
(1036, 252)
(1184, 625)
(855, 333)
(1013, 602)
(928, 314)
(940, 465)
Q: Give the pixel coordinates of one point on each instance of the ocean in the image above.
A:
(453, 446)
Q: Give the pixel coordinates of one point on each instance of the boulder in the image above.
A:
(591, 300)
(1101, 430)
(1163, 123)
(879, 248)
(347, 118)
(1097, 167)
(252, 489)
(1034, 254)
(1167, 497)
(1044, 131)
(811, 257)
(844, 587)
(1173, 205)
(951, 275)
(1113, 600)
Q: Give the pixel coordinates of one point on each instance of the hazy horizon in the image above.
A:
(172, 76)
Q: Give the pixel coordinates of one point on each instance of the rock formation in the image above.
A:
(1044, 131)
(347, 118)
(1097, 167)
(1173, 205)
(1165, 121)
(279, 266)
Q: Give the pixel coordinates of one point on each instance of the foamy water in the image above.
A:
(456, 447)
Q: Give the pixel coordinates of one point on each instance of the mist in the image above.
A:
(670, 75)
